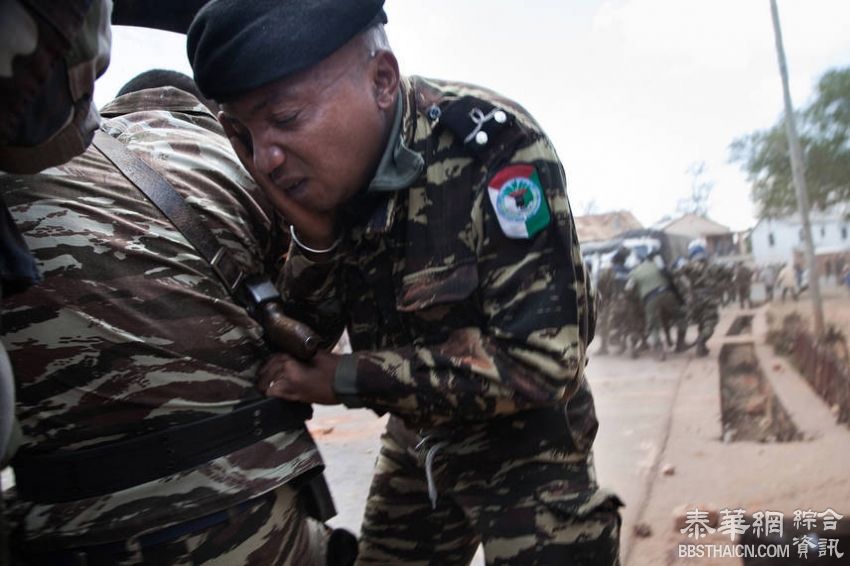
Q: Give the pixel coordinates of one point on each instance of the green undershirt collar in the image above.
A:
(399, 166)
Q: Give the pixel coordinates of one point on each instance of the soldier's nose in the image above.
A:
(268, 159)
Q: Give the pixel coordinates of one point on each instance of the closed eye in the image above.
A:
(283, 120)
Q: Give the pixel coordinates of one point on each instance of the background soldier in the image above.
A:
(702, 294)
(661, 305)
(724, 283)
(743, 282)
(131, 336)
(631, 317)
(625, 308)
(611, 285)
(787, 281)
(768, 277)
(431, 219)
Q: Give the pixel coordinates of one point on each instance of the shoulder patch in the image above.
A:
(476, 122)
(519, 201)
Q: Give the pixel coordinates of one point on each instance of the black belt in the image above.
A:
(69, 475)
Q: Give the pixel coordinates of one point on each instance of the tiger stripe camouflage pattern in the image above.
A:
(475, 343)
(131, 331)
(703, 298)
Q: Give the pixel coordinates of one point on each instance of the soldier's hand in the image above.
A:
(310, 382)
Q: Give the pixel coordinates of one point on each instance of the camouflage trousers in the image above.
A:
(623, 324)
(531, 513)
(603, 325)
(704, 314)
(270, 529)
(744, 296)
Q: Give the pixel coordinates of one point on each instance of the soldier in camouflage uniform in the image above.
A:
(662, 307)
(50, 55)
(612, 280)
(703, 300)
(743, 284)
(724, 283)
(131, 332)
(430, 219)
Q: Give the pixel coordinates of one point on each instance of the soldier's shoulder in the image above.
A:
(482, 120)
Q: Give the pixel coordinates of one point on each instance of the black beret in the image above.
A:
(236, 45)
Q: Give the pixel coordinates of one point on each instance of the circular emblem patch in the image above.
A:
(519, 199)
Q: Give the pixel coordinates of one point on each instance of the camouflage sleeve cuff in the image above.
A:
(345, 381)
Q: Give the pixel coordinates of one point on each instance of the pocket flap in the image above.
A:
(573, 504)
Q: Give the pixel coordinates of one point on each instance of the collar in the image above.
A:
(166, 98)
(399, 166)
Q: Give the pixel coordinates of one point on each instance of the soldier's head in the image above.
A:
(47, 115)
(157, 78)
(696, 252)
(309, 89)
(620, 256)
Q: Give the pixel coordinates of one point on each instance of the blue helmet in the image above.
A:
(697, 251)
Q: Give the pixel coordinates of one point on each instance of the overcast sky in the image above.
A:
(631, 92)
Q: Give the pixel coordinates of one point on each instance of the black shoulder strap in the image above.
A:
(174, 207)
(476, 122)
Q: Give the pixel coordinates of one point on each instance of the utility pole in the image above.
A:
(798, 171)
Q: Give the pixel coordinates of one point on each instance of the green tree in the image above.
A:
(825, 137)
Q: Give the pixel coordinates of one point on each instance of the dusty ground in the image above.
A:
(836, 308)
(713, 475)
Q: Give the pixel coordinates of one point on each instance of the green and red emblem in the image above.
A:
(518, 199)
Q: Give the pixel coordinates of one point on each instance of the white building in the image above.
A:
(776, 240)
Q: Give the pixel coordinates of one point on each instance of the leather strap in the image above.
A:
(174, 207)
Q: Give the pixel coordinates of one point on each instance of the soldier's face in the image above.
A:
(318, 136)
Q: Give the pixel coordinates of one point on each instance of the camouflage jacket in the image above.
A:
(451, 321)
(646, 277)
(743, 276)
(607, 285)
(703, 280)
(130, 330)
(50, 55)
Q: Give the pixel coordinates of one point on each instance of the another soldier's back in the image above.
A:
(662, 307)
(132, 334)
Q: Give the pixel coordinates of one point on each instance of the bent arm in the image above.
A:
(528, 350)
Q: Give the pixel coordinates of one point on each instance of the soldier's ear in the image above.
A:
(385, 78)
